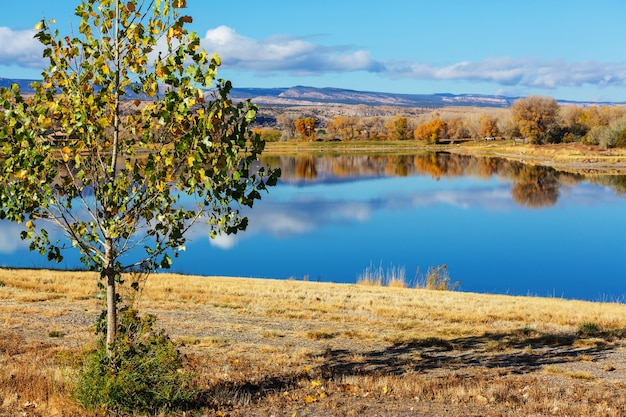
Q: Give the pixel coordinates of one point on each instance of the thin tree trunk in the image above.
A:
(110, 271)
(110, 274)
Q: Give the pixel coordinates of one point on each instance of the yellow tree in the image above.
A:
(305, 127)
(344, 126)
(398, 128)
(431, 131)
(535, 116)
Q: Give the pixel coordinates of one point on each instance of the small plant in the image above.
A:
(56, 333)
(321, 334)
(589, 329)
(141, 372)
(392, 277)
(437, 278)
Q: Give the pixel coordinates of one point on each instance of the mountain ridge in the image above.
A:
(312, 96)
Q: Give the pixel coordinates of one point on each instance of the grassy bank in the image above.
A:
(262, 347)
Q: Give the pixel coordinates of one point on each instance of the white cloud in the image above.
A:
(279, 54)
(10, 237)
(20, 48)
(223, 241)
(526, 72)
(284, 54)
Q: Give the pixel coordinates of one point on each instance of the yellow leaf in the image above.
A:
(53, 21)
(30, 224)
(160, 72)
(310, 399)
(322, 395)
(174, 32)
(306, 368)
(66, 153)
(191, 160)
(385, 389)
(316, 383)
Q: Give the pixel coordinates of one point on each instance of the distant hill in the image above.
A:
(320, 96)
(312, 96)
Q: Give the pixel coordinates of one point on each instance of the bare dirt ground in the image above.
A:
(284, 348)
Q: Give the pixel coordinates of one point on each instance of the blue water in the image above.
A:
(331, 228)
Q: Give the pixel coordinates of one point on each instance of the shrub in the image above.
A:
(270, 135)
(589, 329)
(56, 333)
(437, 278)
(141, 373)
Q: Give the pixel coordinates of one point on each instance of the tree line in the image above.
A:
(533, 119)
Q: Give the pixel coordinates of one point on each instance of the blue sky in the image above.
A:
(566, 49)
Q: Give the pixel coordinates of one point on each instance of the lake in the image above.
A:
(499, 226)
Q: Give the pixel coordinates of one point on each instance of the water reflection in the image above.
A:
(532, 186)
(500, 226)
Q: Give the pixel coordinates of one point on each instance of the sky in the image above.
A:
(566, 49)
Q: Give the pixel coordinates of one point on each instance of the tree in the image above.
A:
(125, 187)
(456, 129)
(488, 126)
(431, 131)
(344, 126)
(398, 128)
(287, 122)
(535, 116)
(372, 127)
(305, 127)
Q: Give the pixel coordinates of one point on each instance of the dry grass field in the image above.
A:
(293, 348)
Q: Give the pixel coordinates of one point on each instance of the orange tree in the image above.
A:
(535, 116)
(431, 131)
(125, 187)
(488, 126)
(305, 127)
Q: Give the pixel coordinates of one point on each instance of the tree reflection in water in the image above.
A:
(536, 187)
(533, 186)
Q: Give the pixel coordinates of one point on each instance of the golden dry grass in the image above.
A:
(266, 346)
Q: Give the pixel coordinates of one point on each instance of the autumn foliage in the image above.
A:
(305, 127)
